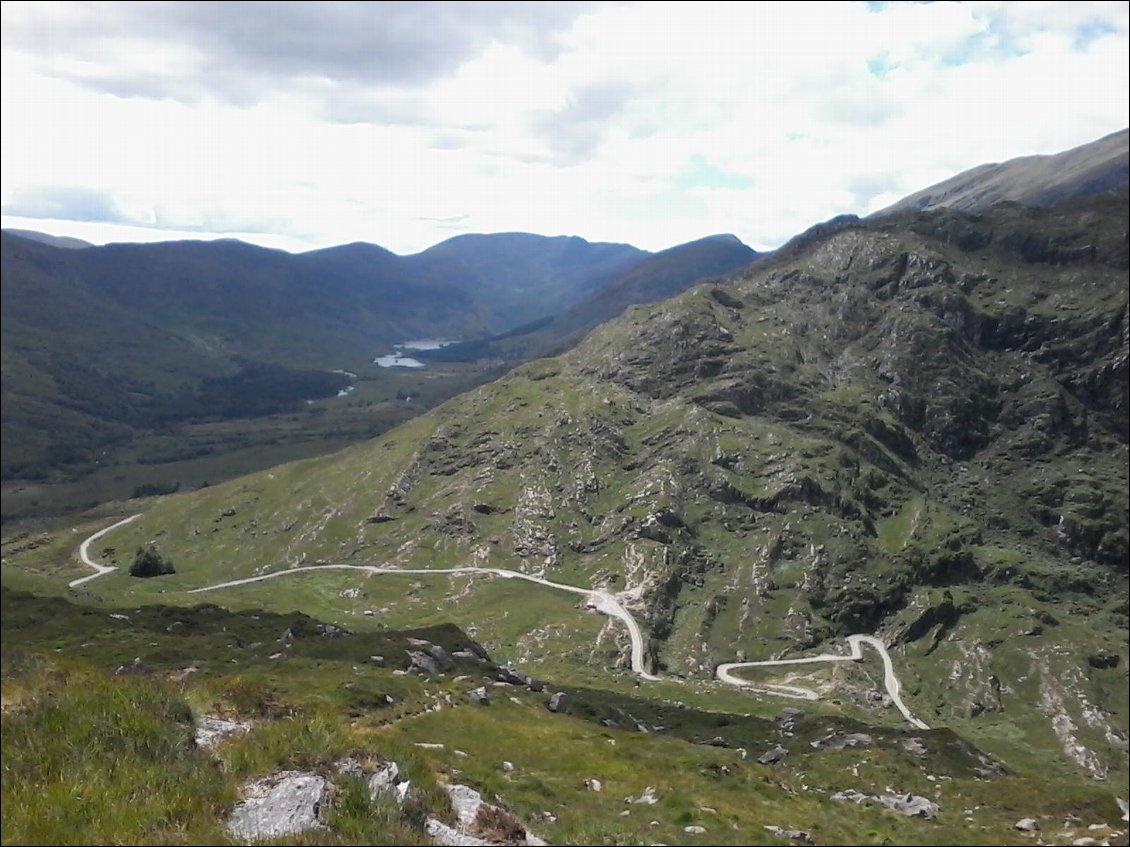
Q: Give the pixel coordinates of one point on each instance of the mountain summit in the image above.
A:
(1032, 180)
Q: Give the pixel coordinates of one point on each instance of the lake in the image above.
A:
(398, 360)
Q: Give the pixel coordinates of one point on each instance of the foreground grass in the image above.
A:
(93, 759)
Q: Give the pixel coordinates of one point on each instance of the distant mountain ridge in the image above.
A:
(102, 339)
(1091, 168)
(64, 241)
(656, 277)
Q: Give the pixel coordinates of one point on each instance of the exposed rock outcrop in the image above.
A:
(276, 806)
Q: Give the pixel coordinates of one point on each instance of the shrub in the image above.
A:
(149, 562)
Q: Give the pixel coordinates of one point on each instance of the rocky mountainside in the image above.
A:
(1091, 168)
(914, 425)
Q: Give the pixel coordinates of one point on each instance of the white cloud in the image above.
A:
(585, 120)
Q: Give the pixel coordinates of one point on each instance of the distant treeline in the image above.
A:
(260, 389)
(256, 389)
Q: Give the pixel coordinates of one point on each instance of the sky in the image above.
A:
(302, 125)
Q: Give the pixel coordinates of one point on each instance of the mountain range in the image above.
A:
(103, 342)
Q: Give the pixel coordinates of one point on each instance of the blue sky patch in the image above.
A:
(699, 173)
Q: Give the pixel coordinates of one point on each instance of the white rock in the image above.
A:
(283, 804)
(466, 802)
(648, 797)
(694, 830)
(385, 779)
(211, 731)
(441, 833)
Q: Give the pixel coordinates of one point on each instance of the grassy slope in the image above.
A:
(90, 757)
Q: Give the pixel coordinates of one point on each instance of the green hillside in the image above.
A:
(914, 427)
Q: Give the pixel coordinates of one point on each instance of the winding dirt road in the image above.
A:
(890, 679)
(601, 601)
(84, 553)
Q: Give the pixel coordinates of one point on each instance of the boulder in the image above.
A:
(505, 673)
(911, 805)
(480, 696)
(280, 805)
(466, 802)
(836, 741)
(211, 731)
(441, 833)
(787, 717)
(442, 658)
(558, 703)
(773, 756)
(648, 797)
(850, 795)
(1027, 825)
(386, 778)
(420, 662)
(797, 835)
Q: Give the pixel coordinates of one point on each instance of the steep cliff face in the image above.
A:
(914, 426)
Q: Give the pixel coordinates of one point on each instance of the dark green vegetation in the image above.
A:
(149, 562)
(1032, 180)
(94, 756)
(140, 367)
